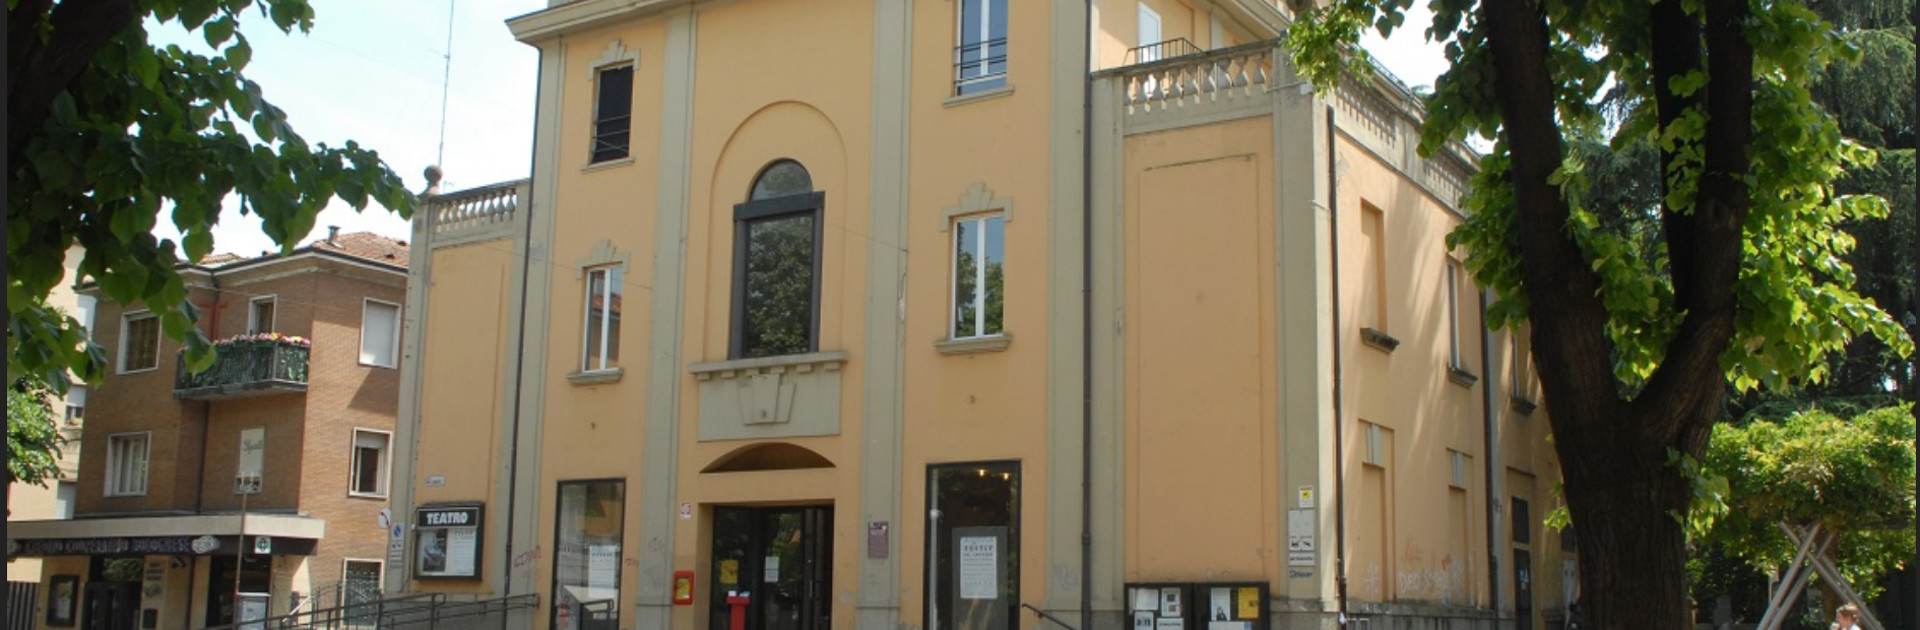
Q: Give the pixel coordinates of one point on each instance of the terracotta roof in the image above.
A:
(366, 245)
(363, 245)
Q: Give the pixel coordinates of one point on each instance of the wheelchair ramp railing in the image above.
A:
(420, 611)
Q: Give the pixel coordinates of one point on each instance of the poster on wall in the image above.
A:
(447, 542)
(980, 597)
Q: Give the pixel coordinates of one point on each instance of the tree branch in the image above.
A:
(1685, 391)
(40, 68)
(1563, 290)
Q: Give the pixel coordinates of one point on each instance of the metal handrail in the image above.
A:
(1044, 615)
(1162, 50)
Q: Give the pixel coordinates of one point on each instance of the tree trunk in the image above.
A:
(1624, 499)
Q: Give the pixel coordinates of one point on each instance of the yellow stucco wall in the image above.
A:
(461, 392)
(1200, 420)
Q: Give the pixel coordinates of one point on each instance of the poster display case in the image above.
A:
(1197, 606)
(447, 541)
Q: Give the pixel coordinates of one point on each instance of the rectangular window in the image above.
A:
(379, 334)
(1373, 231)
(776, 275)
(369, 463)
(613, 113)
(1149, 34)
(1375, 445)
(972, 547)
(586, 563)
(76, 405)
(1454, 356)
(979, 264)
(260, 315)
(127, 464)
(64, 495)
(980, 52)
(360, 585)
(1522, 522)
(1462, 468)
(139, 342)
(600, 349)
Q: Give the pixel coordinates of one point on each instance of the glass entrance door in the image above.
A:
(781, 559)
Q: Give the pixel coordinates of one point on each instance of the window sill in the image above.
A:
(830, 361)
(984, 95)
(974, 345)
(124, 372)
(1379, 339)
(364, 495)
(1461, 377)
(125, 495)
(597, 377)
(376, 365)
(1523, 405)
(601, 166)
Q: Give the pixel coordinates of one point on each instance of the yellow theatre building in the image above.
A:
(964, 315)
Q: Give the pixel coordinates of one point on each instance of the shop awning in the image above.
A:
(198, 534)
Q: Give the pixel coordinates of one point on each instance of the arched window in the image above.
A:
(776, 264)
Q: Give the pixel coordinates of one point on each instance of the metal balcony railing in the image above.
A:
(245, 368)
(1162, 50)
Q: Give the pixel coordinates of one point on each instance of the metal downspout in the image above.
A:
(1339, 419)
(1492, 432)
(520, 353)
(1086, 325)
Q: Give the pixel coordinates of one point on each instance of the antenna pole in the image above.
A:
(446, 78)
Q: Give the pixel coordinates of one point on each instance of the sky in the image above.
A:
(372, 71)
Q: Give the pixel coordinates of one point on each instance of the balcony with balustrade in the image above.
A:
(244, 368)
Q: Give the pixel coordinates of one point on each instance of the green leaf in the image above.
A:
(145, 66)
(239, 54)
(198, 244)
(218, 31)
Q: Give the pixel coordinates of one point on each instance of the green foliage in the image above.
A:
(1795, 298)
(33, 434)
(1853, 476)
(780, 286)
(144, 131)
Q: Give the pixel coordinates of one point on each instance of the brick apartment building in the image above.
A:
(299, 403)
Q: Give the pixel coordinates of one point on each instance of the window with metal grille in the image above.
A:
(613, 113)
(139, 342)
(360, 591)
(980, 51)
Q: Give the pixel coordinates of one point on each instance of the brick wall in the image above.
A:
(307, 463)
(135, 402)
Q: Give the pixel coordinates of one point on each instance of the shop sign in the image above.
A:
(107, 546)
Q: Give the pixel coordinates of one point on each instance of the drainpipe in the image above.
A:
(520, 354)
(1492, 433)
(1086, 326)
(206, 407)
(1339, 419)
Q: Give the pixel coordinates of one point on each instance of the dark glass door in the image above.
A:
(780, 559)
(256, 576)
(111, 605)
